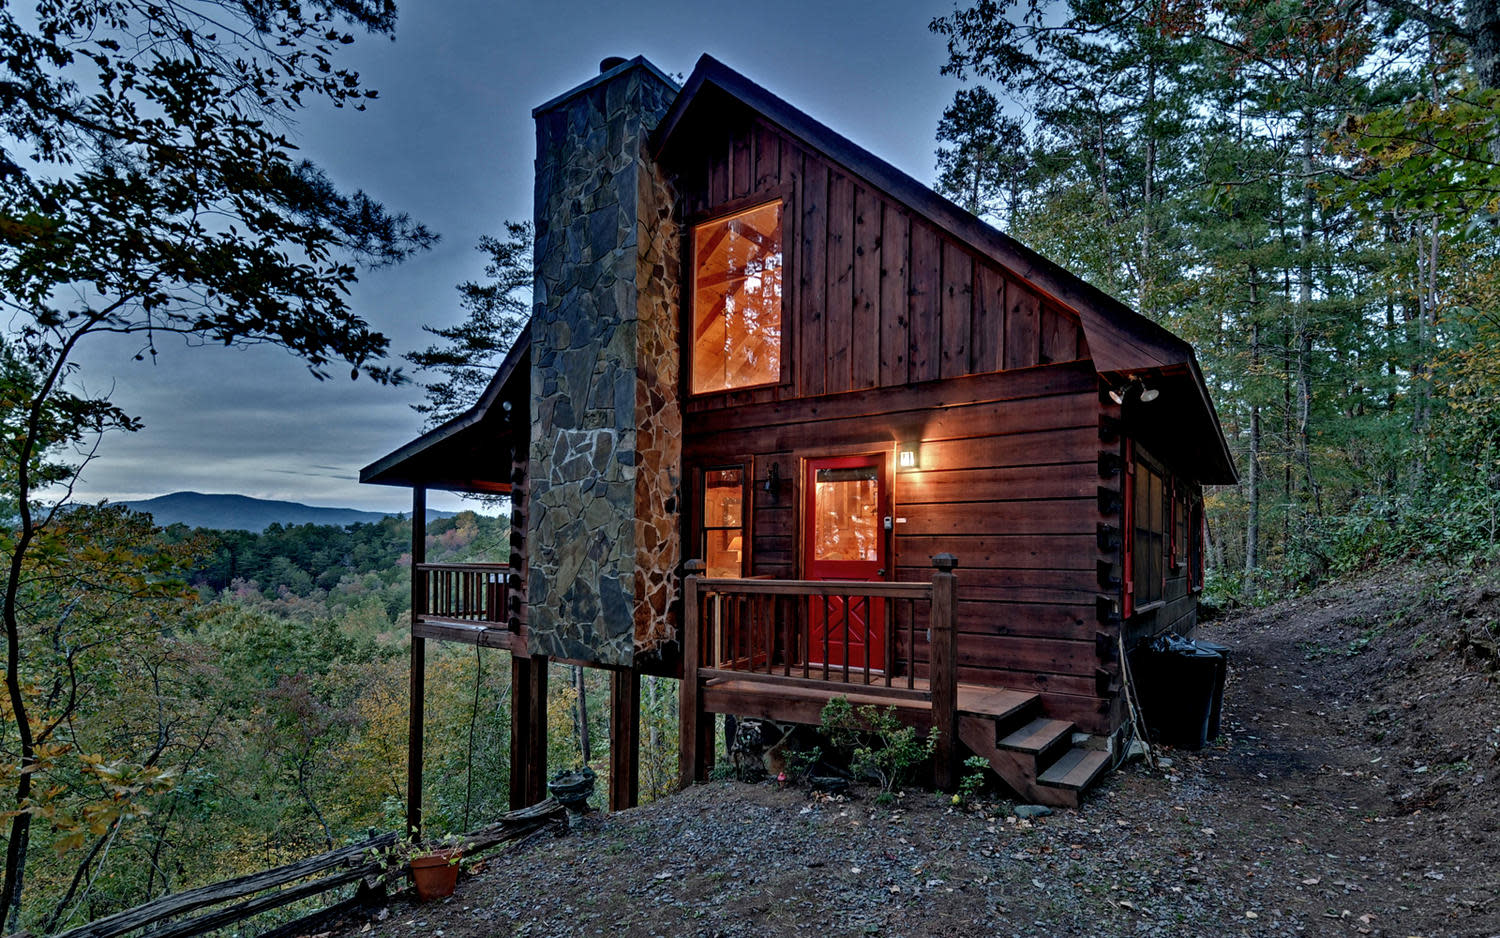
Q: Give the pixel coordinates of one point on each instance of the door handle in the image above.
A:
(880, 572)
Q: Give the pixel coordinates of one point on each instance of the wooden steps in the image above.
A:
(993, 702)
(1033, 754)
(1076, 770)
(1039, 737)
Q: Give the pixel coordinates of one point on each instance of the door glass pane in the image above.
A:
(847, 523)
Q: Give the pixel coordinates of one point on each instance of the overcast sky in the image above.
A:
(451, 141)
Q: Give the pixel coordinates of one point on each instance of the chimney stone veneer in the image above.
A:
(606, 452)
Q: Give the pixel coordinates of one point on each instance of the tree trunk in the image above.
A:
(1144, 300)
(1304, 319)
(583, 715)
(1252, 470)
(1482, 17)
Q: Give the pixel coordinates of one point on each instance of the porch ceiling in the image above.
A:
(471, 452)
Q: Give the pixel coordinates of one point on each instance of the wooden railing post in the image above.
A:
(690, 704)
(944, 671)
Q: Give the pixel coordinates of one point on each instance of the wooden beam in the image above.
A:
(536, 731)
(690, 705)
(520, 739)
(624, 739)
(418, 690)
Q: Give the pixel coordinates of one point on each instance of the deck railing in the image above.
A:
(844, 631)
(463, 592)
(842, 636)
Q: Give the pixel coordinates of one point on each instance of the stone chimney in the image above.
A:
(605, 477)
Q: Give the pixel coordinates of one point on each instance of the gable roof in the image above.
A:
(1122, 342)
(475, 437)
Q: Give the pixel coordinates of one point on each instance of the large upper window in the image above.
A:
(737, 300)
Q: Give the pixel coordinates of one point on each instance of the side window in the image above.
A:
(736, 341)
(1195, 550)
(1148, 535)
(722, 525)
(1179, 526)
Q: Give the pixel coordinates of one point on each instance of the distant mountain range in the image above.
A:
(243, 513)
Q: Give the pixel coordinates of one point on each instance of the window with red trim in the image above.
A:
(1195, 550)
(1148, 545)
(1179, 526)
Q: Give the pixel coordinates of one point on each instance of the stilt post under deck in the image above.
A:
(520, 738)
(624, 739)
(536, 731)
(695, 728)
(944, 675)
(418, 690)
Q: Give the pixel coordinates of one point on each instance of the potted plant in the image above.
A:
(434, 871)
(433, 866)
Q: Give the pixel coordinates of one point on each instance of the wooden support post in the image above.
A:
(520, 739)
(624, 739)
(418, 690)
(691, 737)
(944, 676)
(536, 731)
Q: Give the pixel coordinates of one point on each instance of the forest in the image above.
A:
(1307, 190)
(260, 681)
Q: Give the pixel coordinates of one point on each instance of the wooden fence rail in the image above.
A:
(361, 861)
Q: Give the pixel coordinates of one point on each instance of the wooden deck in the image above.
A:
(1032, 754)
(749, 651)
(798, 703)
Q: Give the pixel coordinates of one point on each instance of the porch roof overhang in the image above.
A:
(1121, 341)
(471, 452)
(1180, 426)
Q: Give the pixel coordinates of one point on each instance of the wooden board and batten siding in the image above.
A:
(895, 331)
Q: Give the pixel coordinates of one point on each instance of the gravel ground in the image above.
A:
(1354, 792)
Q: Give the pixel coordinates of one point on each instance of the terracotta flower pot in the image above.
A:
(436, 874)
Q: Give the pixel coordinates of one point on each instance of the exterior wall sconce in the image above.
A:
(1143, 394)
(773, 480)
(909, 456)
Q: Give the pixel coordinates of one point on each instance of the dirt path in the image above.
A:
(1353, 793)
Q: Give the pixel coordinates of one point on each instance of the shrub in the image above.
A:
(878, 744)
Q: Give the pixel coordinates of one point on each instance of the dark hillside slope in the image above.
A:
(1353, 793)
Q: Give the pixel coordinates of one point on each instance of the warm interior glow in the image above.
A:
(847, 526)
(737, 300)
(723, 524)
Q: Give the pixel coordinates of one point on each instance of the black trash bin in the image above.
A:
(1175, 681)
(1215, 715)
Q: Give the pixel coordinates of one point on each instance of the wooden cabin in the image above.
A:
(786, 424)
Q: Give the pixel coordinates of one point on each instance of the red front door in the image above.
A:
(845, 502)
